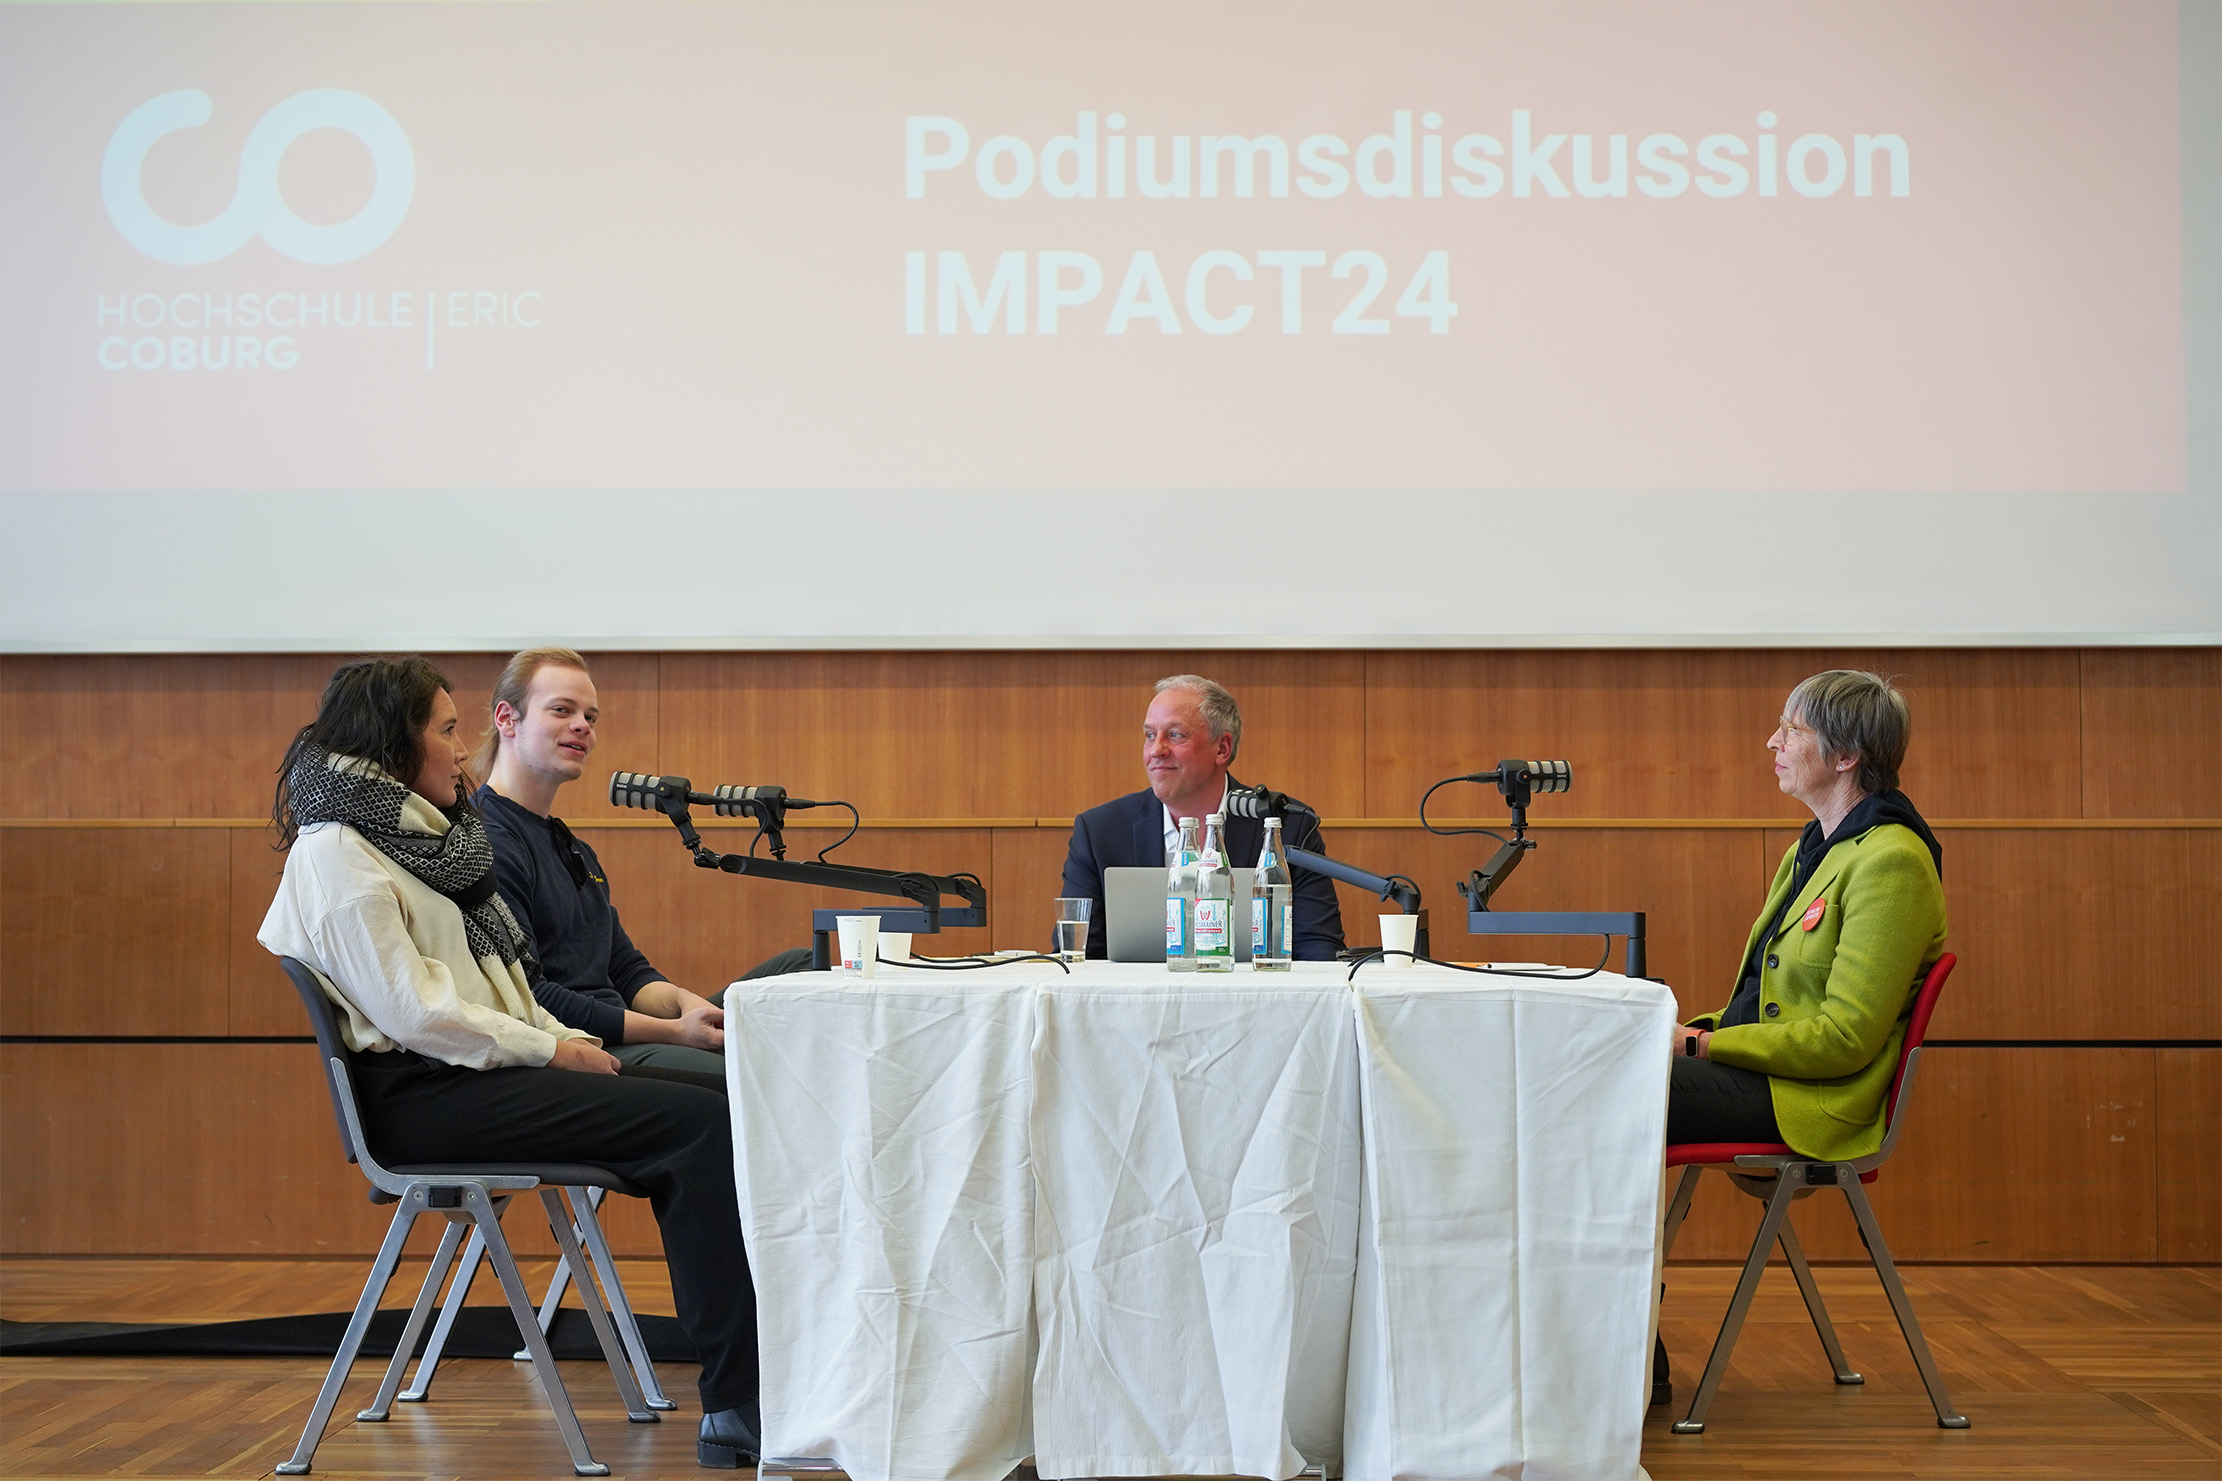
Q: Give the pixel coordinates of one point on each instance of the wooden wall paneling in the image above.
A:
(114, 930)
(260, 999)
(985, 735)
(1683, 734)
(2084, 933)
(200, 735)
(1070, 728)
(2188, 1101)
(2152, 732)
(2025, 1154)
(1659, 734)
(202, 1149)
(873, 728)
(1994, 729)
(1029, 876)
(1693, 884)
(158, 736)
(704, 928)
(175, 1149)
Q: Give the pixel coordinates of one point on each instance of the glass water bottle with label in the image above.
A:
(1211, 937)
(1180, 900)
(1272, 908)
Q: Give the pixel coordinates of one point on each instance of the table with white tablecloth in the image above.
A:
(1137, 1223)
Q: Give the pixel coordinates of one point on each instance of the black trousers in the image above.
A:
(1708, 1102)
(673, 1138)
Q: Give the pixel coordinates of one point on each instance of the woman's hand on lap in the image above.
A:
(579, 1055)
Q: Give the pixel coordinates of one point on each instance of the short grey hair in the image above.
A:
(1221, 713)
(1856, 713)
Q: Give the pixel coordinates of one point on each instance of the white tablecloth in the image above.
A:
(1118, 1217)
(886, 1198)
(1513, 1140)
(1196, 1222)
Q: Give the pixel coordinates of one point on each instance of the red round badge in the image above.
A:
(1813, 914)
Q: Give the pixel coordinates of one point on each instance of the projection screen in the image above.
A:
(945, 324)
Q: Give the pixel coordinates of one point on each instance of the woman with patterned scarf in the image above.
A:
(389, 895)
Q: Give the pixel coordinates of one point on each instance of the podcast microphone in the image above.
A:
(664, 794)
(672, 794)
(733, 802)
(1519, 779)
(1261, 802)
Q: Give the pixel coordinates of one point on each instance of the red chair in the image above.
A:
(1771, 1172)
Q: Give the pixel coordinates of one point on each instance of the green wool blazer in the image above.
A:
(1835, 995)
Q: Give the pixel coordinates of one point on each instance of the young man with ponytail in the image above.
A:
(540, 733)
(389, 896)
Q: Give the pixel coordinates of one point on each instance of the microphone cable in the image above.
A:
(972, 963)
(1378, 954)
(1452, 832)
(855, 821)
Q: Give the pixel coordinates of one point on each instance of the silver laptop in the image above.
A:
(1134, 901)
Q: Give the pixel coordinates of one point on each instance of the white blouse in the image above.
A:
(393, 955)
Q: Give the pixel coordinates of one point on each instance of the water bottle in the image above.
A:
(1180, 899)
(1272, 910)
(1211, 938)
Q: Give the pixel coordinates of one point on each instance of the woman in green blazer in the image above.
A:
(1805, 1048)
(1804, 1051)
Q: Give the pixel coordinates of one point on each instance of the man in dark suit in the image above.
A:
(1189, 738)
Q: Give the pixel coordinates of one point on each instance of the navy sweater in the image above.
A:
(589, 967)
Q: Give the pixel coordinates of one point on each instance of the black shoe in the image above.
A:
(1662, 1378)
(727, 1439)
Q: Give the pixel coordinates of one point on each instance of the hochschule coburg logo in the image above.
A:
(258, 206)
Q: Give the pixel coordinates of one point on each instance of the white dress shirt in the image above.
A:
(1172, 828)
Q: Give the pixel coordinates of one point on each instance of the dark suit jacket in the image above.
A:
(1129, 833)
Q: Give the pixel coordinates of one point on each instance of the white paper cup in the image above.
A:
(860, 945)
(1399, 933)
(895, 946)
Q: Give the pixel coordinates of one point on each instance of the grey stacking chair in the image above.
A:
(469, 1196)
(587, 1228)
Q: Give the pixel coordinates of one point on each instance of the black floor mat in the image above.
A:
(480, 1332)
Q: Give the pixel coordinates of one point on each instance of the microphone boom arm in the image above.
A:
(1402, 892)
(923, 890)
(671, 796)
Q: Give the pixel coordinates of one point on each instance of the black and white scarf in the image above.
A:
(327, 788)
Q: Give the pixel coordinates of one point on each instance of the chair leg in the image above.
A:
(621, 1310)
(1814, 1306)
(551, 1301)
(1886, 1270)
(543, 1361)
(559, 1224)
(466, 1272)
(442, 1258)
(1679, 1209)
(381, 1273)
(1770, 1224)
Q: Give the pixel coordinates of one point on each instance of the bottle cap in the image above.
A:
(1213, 820)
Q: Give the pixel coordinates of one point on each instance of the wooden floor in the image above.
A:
(2069, 1371)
